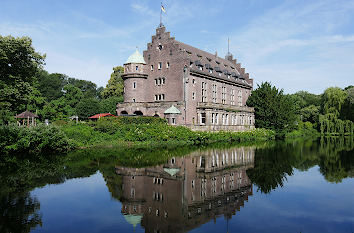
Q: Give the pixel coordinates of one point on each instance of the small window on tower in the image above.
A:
(136, 67)
(134, 85)
(160, 47)
(159, 65)
(152, 67)
(167, 65)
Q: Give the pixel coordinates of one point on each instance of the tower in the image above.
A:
(134, 78)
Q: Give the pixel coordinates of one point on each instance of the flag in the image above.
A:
(163, 8)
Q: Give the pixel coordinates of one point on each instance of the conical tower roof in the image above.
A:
(136, 58)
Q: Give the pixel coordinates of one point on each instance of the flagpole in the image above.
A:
(161, 15)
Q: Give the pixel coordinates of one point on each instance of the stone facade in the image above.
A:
(210, 92)
(188, 191)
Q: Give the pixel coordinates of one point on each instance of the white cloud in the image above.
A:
(298, 46)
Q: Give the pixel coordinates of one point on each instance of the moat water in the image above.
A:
(285, 186)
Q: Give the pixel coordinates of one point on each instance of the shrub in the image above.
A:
(34, 140)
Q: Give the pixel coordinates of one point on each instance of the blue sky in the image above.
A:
(296, 45)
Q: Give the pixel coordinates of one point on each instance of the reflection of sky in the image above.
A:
(306, 203)
(81, 205)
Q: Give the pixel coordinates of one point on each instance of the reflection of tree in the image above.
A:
(270, 169)
(332, 155)
(19, 213)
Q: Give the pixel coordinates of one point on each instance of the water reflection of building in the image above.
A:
(187, 192)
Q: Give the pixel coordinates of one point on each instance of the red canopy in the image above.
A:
(97, 116)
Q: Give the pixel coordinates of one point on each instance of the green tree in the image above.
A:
(115, 86)
(307, 99)
(110, 104)
(88, 88)
(88, 107)
(273, 109)
(51, 85)
(310, 113)
(347, 111)
(63, 107)
(332, 100)
(19, 65)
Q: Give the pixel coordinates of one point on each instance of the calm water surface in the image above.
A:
(298, 186)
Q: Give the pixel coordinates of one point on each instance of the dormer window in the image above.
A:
(200, 67)
(211, 71)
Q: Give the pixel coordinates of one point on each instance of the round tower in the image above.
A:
(134, 78)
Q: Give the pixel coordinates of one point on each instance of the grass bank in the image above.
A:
(137, 132)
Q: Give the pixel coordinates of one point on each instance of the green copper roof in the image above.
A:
(133, 219)
(172, 110)
(171, 171)
(136, 58)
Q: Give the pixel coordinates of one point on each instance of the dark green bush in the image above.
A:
(32, 141)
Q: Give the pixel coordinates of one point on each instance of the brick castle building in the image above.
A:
(187, 86)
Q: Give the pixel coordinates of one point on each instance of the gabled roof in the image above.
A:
(26, 114)
(172, 110)
(97, 116)
(136, 58)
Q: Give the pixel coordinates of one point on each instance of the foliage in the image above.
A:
(24, 141)
(147, 131)
(115, 86)
(51, 85)
(307, 99)
(304, 129)
(87, 107)
(332, 100)
(109, 105)
(273, 109)
(19, 64)
(310, 113)
(347, 110)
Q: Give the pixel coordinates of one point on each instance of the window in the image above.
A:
(239, 97)
(232, 97)
(159, 66)
(173, 121)
(214, 93)
(203, 118)
(204, 92)
(159, 97)
(136, 67)
(160, 47)
(193, 81)
(210, 71)
(134, 100)
(223, 95)
(193, 95)
(167, 65)
(160, 81)
(200, 67)
(152, 67)
(134, 85)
